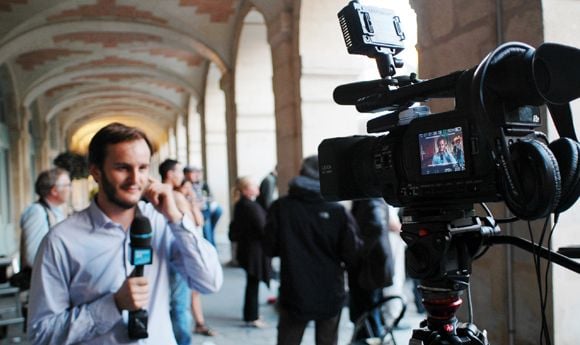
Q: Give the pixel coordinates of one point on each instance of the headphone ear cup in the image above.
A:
(537, 180)
(567, 152)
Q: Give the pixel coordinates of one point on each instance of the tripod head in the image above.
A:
(442, 243)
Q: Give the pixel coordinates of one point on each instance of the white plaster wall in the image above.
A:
(327, 64)
(194, 125)
(566, 284)
(256, 128)
(217, 160)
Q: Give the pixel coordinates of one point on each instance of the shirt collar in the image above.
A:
(99, 218)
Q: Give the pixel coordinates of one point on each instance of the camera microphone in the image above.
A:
(140, 254)
(349, 94)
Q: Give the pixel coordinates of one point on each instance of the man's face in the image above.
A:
(124, 174)
(62, 188)
(196, 176)
(441, 145)
(175, 176)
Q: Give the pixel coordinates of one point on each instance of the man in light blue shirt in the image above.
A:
(82, 288)
(442, 156)
(53, 189)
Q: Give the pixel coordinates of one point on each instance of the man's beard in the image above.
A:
(109, 190)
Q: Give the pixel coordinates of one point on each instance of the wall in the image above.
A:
(561, 25)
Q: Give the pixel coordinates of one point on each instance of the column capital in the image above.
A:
(227, 80)
(280, 30)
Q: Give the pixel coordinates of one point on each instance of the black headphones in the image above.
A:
(540, 179)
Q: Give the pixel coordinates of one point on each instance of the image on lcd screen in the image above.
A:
(442, 151)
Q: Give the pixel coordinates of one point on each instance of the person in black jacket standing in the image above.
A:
(247, 229)
(315, 239)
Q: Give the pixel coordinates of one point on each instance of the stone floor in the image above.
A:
(223, 313)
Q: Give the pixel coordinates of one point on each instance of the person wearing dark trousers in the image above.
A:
(247, 229)
(375, 269)
(291, 329)
(315, 241)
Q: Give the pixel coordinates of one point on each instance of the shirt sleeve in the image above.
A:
(195, 257)
(51, 318)
(34, 225)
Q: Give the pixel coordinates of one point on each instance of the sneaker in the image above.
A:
(204, 330)
(256, 324)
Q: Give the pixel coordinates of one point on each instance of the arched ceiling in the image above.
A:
(86, 62)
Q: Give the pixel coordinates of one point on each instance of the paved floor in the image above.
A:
(223, 312)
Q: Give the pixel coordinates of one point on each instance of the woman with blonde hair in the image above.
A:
(247, 229)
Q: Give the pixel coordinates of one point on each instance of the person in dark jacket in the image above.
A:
(315, 240)
(247, 229)
(268, 189)
(375, 269)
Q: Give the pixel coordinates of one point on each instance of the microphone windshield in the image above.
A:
(140, 232)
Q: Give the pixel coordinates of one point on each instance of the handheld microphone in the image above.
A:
(140, 254)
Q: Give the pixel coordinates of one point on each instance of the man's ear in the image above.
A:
(95, 172)
(54, 191)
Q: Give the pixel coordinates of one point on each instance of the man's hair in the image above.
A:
(46, 180)
(113, 133)
(190, 168)
(167, 166)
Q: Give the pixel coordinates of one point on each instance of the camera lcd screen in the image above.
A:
(442, 151)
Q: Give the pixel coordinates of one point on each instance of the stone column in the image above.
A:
(456, 35)
(283, 39)
(228, 86)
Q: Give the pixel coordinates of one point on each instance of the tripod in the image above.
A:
(442, 244)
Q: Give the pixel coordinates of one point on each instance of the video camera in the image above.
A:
(436, 166)
(486, 149)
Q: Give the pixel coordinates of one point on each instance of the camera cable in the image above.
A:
(544, 332)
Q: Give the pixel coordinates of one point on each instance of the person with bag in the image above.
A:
(247, 229)
(53, 188)
(375, 269)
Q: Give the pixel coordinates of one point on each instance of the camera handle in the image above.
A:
(546, 253)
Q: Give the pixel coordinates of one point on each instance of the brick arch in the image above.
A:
(9, 97)
(155, 129)
(46, 36)
(107, 75)
(137, 98)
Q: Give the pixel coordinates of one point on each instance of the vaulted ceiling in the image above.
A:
(83, 62)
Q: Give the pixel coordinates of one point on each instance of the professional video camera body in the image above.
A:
(436, 166)
(497, 154)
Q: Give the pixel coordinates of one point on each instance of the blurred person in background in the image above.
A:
(184, 302)
(315, 241)
(210, 209)
(247, 229)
